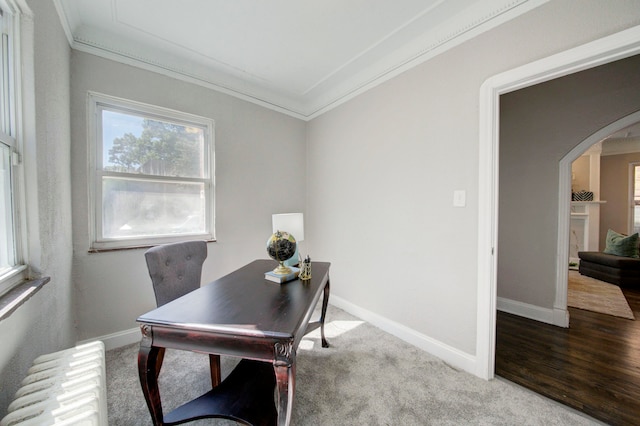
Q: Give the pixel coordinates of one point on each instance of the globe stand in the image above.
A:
(281, 269)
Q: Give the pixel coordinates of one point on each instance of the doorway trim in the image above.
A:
(611, 48)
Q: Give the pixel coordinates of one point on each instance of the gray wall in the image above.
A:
(260, 170)
(539, 126)
(45, 323)
(378, 174)
(384, 167)
(614, 189)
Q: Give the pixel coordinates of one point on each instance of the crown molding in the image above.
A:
(432, 45)
(353, 78)
(182, 75)
(66, 26)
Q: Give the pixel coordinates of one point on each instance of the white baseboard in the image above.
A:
(448, 354)
(119, 339)
(526, 310)
(561, 317)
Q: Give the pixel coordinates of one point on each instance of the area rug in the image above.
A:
(598, 296)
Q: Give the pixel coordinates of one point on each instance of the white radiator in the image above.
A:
(63, 388)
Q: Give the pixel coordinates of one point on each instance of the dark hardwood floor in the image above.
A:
(593, 366)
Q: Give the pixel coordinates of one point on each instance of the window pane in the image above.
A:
(138, 208)
(5, 93)
(135, 144)
(7, 249)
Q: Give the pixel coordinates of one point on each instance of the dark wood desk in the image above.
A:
(242, 315)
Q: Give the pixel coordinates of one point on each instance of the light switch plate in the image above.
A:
(459, 198)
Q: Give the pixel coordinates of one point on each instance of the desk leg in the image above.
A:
(285, 371)
(325, 303)
(147, 370)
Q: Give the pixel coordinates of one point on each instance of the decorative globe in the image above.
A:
(280, 247)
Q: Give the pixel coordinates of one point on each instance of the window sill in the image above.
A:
(146, 246)
(17, 296)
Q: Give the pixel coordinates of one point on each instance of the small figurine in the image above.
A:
(305, 270)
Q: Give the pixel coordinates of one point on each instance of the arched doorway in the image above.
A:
(564, 205)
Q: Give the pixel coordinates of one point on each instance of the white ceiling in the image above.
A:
(631, 132)
(301, 57)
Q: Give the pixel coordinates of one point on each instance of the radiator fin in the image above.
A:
(63, 388)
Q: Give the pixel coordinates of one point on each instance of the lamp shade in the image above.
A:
(293, 223)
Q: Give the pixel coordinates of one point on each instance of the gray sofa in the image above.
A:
(619, 270)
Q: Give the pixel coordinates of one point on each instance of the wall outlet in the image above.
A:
(459, 198)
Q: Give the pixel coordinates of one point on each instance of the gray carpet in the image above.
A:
(366, 377)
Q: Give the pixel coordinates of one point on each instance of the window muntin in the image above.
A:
(153, 174)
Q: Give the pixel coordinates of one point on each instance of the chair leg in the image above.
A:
(214, 364)
(159, 361)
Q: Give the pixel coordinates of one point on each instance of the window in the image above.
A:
(634, 203)
(12, 257)
(153, 174)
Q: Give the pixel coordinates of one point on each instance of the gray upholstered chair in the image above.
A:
(175, 270)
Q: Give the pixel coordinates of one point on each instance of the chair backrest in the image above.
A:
(175, 269)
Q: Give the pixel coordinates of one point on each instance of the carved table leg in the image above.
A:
(147, 370)
(285, 371)
(159, 360)
(325, 303)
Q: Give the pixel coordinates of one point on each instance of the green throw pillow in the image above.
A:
(621, 245)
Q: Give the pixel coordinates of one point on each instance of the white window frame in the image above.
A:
(13, 120)
(631, 198)
(98, 102)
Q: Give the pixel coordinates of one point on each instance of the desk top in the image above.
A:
(245, 303)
